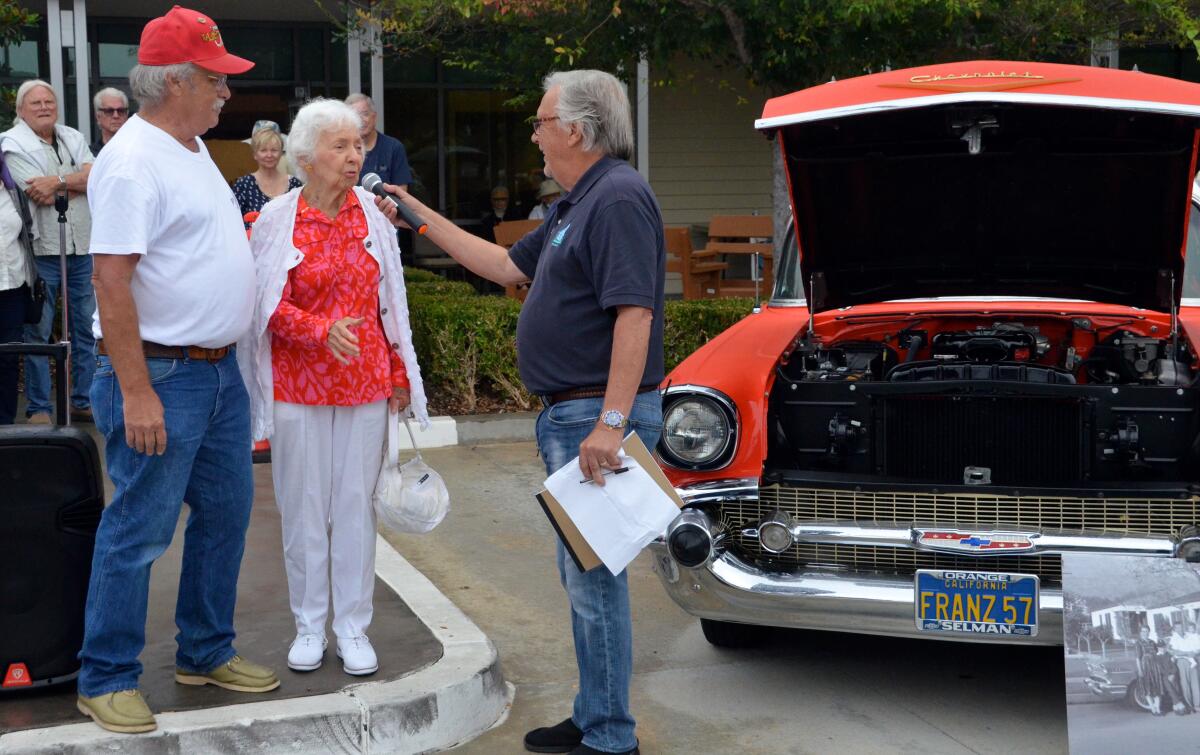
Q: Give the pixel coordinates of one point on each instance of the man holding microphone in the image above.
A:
(597, 266)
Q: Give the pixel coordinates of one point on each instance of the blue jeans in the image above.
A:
(12, 322)
(207, 463)
(600, 618)
(82, 299)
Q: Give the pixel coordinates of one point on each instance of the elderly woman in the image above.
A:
(254, 190)
(329, 355)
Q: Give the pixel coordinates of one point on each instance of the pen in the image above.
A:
(618, 470)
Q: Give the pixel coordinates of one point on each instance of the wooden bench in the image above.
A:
(699, 273)
(508, 233)
(743, 235)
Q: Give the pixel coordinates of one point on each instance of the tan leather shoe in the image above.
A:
(40, 418)
(125, 711)
(238, 675)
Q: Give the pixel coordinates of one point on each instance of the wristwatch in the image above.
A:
(613, 419)
(62, 181)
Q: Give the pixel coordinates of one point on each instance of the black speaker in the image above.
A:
(51, 499)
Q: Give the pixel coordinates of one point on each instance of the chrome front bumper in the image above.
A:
(726, 588)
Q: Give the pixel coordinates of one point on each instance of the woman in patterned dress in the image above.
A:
(329, 355)
(1151, 673)
(254, 190)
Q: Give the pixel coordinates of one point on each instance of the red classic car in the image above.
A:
(980, 354)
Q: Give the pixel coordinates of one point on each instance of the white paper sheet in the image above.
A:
(618, 519)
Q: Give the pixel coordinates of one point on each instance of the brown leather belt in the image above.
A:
(591, 391)
(158, 351)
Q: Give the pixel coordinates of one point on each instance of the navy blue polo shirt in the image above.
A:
(600, 247)
(389, 159)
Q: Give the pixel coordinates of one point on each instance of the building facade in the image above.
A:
(697, 146)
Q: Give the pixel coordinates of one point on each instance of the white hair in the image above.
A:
(315, 118)
(28, 86)
(598, 102)
(358, 97)
(98, 99)
(149, 83)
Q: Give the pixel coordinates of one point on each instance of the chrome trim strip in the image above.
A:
(1043, 543)
(728, 589)
(712, 491)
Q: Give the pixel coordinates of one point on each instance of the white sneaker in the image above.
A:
(307, 652)
(358, 657)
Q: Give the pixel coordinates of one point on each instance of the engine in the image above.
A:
(1001, 351)
(1046, 402)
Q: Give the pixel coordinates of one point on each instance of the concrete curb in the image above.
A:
(447, 703)
(472, 429)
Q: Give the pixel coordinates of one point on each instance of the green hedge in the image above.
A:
(467, 344)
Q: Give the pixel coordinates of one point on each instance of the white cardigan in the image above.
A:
(274, 256)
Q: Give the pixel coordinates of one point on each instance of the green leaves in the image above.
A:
(780, 44)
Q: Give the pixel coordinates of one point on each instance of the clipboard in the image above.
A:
(581, 553)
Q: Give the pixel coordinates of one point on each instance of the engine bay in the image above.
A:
(992, 398)
(1068, 351)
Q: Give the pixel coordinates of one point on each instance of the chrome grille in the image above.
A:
(1140, 516)
(1134, 516)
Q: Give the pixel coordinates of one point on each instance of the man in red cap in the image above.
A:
(174, 285)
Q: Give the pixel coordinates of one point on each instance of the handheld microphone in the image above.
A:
(374, 184)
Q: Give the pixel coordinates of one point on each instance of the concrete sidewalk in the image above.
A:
(439, 682)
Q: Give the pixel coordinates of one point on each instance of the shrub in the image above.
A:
(417, 275)
(439, 287)
(468, 351)
(691, 324)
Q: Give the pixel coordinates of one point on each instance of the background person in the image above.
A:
(111, 107)
(329, 355)
(175, 284)
(15, 276)
(386, 157)
(548, 193)
(1184, 645)
(499, 212)
(597, 264)
(47, 158)
(270, 180)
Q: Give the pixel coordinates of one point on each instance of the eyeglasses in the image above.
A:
(111, 111)
(220, 82)
(537, 123)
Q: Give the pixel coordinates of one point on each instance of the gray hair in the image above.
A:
(149, 83)
(358, 97)
(98, 99)
(27, 86)
(315, 118)
(598, 103)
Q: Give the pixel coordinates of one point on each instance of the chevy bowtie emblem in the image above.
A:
(974, 542)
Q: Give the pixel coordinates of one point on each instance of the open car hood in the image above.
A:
(991, 178)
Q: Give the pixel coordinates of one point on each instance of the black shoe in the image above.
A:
(562, 737)
(583, 749)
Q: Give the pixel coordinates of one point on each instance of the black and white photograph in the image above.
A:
(1131, 642)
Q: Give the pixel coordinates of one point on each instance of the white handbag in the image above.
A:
(409, 498)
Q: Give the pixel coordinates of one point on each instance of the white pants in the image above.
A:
(325, 462)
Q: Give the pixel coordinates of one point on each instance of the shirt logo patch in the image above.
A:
(562, 234)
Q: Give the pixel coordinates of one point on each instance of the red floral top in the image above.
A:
(337, 278)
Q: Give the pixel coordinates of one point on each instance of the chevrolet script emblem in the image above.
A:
(956, 541)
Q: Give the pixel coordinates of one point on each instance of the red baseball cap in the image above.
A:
(188, 36)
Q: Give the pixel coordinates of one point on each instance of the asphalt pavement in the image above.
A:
(802, 692)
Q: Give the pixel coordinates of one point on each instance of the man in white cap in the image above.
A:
(548, 194)
(175, 289)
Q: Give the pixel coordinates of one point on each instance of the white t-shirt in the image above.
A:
(150, 195)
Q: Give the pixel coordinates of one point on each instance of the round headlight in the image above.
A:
(696, 431)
